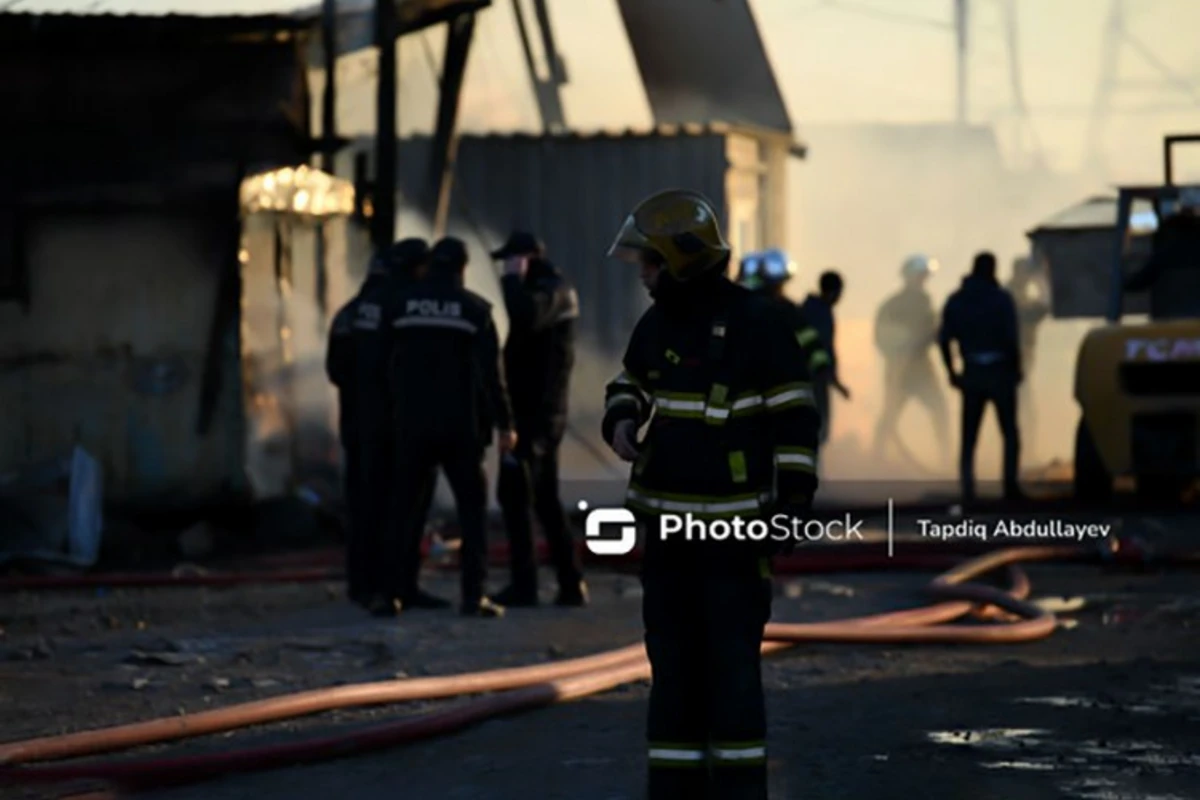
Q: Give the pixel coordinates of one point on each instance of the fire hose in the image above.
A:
(520, 688)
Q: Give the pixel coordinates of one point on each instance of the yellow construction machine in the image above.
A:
(1137, 383)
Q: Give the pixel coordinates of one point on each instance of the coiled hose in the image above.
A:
(519, 689)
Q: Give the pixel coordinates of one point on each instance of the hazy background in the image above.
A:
(862, 201)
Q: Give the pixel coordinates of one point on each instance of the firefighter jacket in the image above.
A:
(540, 351)
(982, 317)
(819, 315)
(816, 356)
(725, 387)
(446, 377)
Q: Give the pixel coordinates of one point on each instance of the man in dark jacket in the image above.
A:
(1172, 273)
(448, 395)
(982, 318)
(356, 362)
(538, 358)
(721, 379)
(818, 310)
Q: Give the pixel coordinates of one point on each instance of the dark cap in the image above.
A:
(449, 254)
(401, 257)
(520, 243)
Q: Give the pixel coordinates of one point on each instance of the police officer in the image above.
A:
(818, 310)
(768, 272)
(448, 395)
(356, 362)
(733, 417)
(906, 329)
(982, 318)
(538, 358)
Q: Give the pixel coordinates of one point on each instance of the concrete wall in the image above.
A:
(111, 354)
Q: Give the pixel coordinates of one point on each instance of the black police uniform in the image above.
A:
(339, 367)
(982, 317)
(538, 358)
(733, 435)
(448, 396)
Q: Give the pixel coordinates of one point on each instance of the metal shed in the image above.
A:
(575, 189)
(1075, 247)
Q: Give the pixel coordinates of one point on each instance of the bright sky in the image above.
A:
(833, 64)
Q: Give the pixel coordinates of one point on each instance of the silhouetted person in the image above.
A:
(1031, 293)
(905, 335)
(818, 310)
(982, 318)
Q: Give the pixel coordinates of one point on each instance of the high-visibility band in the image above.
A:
(789, 396)
(737, 466)
(818, 360)
(796, 461)
(435, 322)
(365, 324)
(677, 757)
(698, 505)
(807, 336)
(739, 755)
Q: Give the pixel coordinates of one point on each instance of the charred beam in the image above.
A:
(459, 35)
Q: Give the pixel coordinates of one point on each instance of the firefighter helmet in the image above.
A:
(766, 269)
(677, 227)
(918, 264)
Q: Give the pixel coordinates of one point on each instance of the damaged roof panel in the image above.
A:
(704, 60)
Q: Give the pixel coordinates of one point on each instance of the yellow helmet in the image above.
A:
(677, 226)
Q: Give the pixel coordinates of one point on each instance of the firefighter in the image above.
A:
(906, 330)
(818, 310)
(1031, 292)
(356, 362)
(768, 272)
(732, 436)
(539, 355)
(982, 318)
(448, 395)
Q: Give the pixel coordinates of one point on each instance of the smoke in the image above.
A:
(871, 195)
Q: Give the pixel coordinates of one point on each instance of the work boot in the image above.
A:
(511, 597)
(572, 595)
(423, 600)
(483, 608)
(385, 607)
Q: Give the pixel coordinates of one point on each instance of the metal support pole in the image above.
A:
(384, 222)
(962, 44)
(459, 34)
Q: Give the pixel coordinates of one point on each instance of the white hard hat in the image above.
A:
(918, 264)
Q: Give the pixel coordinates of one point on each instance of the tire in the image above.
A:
(1092, 483)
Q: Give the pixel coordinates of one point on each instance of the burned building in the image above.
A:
(127, 142)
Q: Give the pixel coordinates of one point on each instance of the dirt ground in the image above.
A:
(1108, 708)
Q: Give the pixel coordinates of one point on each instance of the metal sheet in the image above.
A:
(702, 60)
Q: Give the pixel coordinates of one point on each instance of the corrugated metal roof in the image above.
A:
(714, 128)
(1098, 212)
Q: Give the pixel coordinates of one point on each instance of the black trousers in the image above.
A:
(461, 460)
(999, 388)
(413, 532)
(707, 724)
(359, 578)
(528, 487)
(375, 470)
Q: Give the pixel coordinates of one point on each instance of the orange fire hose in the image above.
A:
(528, 687)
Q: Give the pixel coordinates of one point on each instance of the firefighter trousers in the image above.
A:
(461, 461)
(527, 487)
(707, 727)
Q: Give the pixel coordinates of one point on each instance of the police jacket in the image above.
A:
(723, 383)
(446, 377)
(356, 359)
(982, 317)
(540, 351)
